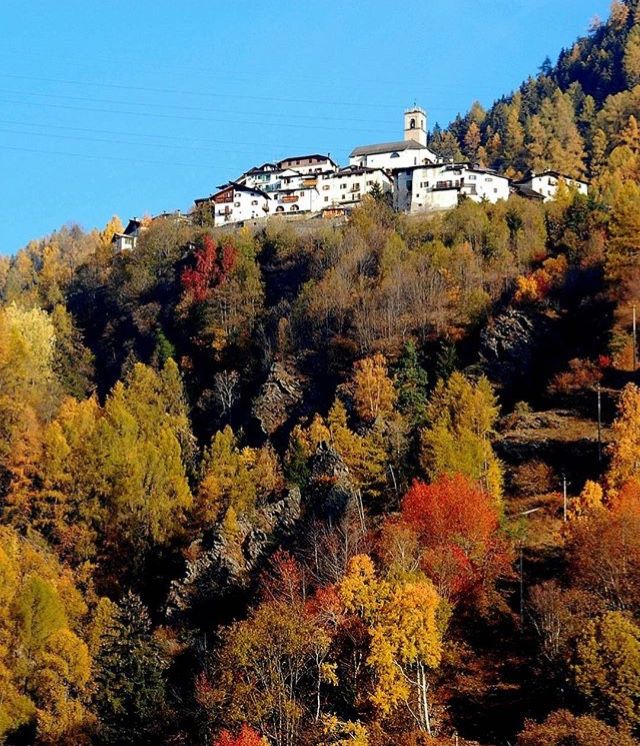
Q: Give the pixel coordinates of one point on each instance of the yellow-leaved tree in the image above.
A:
(461, 416)
(607, 668)
(373, 390)
(235, 478)
(110, 479)
(625, 442)
(404, 632)
(27, 381)
(44, 662)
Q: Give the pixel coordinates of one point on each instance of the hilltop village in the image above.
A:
(406, 173)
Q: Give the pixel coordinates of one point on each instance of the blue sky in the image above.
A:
(138, 107)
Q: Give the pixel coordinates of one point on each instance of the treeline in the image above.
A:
(570, 117)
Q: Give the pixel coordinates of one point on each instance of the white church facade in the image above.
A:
(410, 151)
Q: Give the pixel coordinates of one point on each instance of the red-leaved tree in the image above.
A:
(246, 737)
(213, 263)
(458, 531)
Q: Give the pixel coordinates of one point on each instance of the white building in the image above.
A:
(440, 186)
(546, 184)
(235, 203)
(127, 240)
(308, 164)
(411, 151)
(270, 180)
(296, 198)
(350, 184)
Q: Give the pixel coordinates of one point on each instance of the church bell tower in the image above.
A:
(415, 125)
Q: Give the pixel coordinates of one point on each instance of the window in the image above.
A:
(412, 124)
(489, 178)
(254, 201)
(395, 155)
(343, 186)
(236, 204)
(495, 190)
(472, 177)
(326, 199)
(326, 188)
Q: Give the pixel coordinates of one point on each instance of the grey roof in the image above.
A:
(525, 191)
(315, 156)
(386, 147)
(356, 171)
(550, 172)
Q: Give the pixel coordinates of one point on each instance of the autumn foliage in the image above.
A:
(270, 486)
(245, 737)
(213, 262)
(458, 529)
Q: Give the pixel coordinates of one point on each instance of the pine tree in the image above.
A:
(411, 383)
(130, 669)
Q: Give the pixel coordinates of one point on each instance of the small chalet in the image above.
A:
(126, 241)
(235, 203)
(308, 164)
(546, 184)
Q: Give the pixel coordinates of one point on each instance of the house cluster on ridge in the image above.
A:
(412, 177)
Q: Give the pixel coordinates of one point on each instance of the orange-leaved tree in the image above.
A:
(462, 548)
(246, 736)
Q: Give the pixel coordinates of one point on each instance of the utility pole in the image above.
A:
(635, 342)
(564, 497)
(599, 392)
(521, 588)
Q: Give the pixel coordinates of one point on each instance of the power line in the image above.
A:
(133, 159)
(183, 118)
(123, 142)
(184, 107)
(204, 93)
(146, 134)
(208, 94)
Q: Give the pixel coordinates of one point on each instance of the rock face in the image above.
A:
(331, 491)
(221, 565)
(279, 396)
(509, 345)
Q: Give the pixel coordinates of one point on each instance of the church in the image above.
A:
(411, 151)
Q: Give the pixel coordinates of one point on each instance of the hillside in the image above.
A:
(301, 484)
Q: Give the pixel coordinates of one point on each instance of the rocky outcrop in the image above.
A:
(509, 345)
(222, 564)
(280, 395)
(331, 490)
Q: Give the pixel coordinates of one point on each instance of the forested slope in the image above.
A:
(303, 484)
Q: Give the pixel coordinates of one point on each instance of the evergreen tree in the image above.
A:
(130, 672)
(411, 383)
